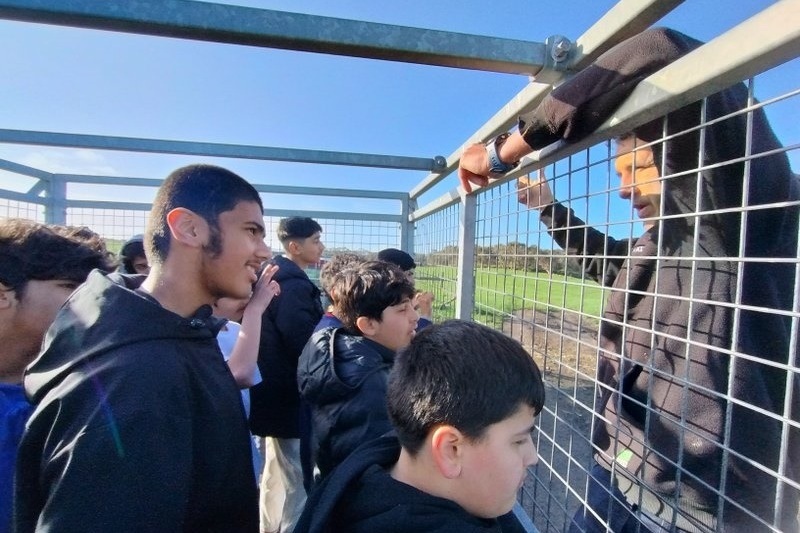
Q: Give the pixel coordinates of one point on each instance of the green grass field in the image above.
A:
(498, 292)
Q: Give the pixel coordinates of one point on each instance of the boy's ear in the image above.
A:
(292, 247)
(367, 326)
(7, 297)
(447, 448)
(187, 227)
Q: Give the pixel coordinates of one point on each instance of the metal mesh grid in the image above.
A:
(15, 209)
(526, 287)
(436, 252)
(115, 225)
(363, 236)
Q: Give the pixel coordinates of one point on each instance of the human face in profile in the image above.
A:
(308, 251)
(396, 327)
(233, 271)
(495, 466)
(639, 178)
(25, 316)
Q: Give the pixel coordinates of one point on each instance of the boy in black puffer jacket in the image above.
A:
(342, 372)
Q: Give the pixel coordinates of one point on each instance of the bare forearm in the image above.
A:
(244, 356)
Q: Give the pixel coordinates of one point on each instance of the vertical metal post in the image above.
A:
(55, 206)
(407, 206)
(465, 292)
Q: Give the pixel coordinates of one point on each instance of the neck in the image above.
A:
(177, 289)
(11, 378)
(17, 353)
(416, 472)
(297, 261)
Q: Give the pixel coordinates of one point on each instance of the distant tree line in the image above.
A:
(511, 256)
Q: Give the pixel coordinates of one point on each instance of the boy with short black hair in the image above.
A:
(343, 372)
(286, 326)
(463, 400)
(138, 423)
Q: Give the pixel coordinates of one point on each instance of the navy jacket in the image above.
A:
(343, 379)
(286, 326)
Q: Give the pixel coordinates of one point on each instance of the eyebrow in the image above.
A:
(258, 225)
(527, 431)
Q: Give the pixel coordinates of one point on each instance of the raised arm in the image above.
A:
(580, 105)
(244, 356)
(600, 255)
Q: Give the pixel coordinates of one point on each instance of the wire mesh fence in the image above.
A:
(663, 308)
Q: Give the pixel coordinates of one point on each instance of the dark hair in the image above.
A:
(397, 257)
(334, 267)
(33, 251)
(461, 374)
(368, 288)
(133, 248)
(293, 228)
(206, 190)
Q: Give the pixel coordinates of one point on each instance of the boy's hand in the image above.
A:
(264, 291)
(423, 302)
(535, 194)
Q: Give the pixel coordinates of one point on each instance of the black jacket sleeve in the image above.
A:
(579, 106)
(601, 256)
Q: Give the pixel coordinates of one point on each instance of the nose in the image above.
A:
(532, 457)
(414, 314)
(263, 252)
(627, 187)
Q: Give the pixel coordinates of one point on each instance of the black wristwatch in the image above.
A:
(496, 166)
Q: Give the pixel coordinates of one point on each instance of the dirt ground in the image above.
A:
(563, 343)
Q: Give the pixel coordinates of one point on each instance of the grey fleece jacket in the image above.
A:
(678, 417)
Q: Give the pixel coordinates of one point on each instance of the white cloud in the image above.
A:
(75, 161)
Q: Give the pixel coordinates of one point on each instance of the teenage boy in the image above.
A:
(343, 371)
(463, 399)
(423, 300)
(40, 266)
(286, 327)
(139, 424)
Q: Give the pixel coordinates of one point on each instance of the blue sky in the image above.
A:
(72, 80)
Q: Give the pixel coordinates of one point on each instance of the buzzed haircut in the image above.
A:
(33, 251)
(335, 266)
(297, 228)
(206, 190)
(368, 288)
(462, 374)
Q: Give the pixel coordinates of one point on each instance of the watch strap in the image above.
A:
(496, 166)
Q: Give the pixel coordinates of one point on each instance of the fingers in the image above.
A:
(462, 177)
(473, 167)
(266, 286)
(267, 274)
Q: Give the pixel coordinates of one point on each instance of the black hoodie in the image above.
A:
(361, 497)
(286, 326)
(138, 426)
(666, 419)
